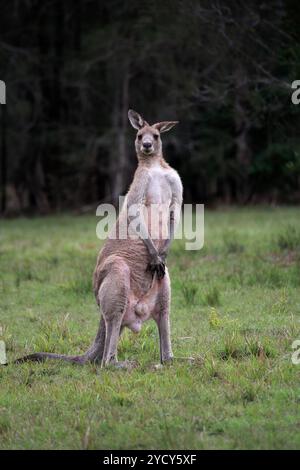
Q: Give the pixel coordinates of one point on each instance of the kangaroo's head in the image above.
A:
(148, 141)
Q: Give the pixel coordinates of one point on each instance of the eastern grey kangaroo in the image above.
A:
(131, 280)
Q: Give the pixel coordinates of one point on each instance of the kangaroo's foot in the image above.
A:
(125, 365)
(186, 358)
(167, 359)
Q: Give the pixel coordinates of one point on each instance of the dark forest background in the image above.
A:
(222, 68)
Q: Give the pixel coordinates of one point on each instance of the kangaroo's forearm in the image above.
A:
(167, 242)
(150, 246)
(144, 235)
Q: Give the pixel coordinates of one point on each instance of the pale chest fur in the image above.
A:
(159, 190)
(157, 201)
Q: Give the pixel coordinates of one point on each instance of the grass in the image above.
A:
(235, 311)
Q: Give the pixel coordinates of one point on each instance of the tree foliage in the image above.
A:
(223, 69)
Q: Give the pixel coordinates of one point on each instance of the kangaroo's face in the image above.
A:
(148, 141)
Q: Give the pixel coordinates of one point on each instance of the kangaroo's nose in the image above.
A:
(147, 145)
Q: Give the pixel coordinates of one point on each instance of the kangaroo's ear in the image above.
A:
(165, 125)
(136, 119)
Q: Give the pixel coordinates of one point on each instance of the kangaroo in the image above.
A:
(131, 281)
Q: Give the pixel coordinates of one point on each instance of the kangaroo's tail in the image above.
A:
(93, 354)
(42, 356)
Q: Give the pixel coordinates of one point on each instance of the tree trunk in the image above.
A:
(242, 128)
(77, 25)
(119, 163)
(56, 88)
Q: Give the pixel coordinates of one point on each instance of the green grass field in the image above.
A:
(235, 310)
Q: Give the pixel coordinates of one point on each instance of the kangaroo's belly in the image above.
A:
(136, 256)
(124, 243)
(142, 308)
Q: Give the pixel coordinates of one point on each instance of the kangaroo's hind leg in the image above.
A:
(113, 299)
(162, 318)
(95, 352)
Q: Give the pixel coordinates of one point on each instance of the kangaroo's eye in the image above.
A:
(155, 136)
(139, 137)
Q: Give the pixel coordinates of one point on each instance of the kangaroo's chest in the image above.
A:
(157, 204)
(159, 189)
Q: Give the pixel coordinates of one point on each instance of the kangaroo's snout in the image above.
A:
(147, 144)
